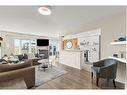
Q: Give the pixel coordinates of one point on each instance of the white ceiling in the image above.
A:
(26, 19)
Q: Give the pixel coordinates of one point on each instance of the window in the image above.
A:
(24, 46)
(17, 46)
(33, 46)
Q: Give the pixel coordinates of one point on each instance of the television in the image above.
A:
(42, 42)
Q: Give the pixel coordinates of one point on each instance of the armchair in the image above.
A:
(106, 69)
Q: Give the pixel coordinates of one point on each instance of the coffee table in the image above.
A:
(44, 63)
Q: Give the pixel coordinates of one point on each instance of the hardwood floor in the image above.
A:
(76, 79)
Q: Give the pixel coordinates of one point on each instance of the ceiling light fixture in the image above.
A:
(44, 10)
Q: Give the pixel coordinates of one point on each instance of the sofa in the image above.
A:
(24, 57)
(21, 70)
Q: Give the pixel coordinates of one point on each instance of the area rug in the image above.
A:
(50, 73)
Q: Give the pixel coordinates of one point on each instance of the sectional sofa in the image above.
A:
(24, 70)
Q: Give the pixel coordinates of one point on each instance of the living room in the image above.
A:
(59, 50)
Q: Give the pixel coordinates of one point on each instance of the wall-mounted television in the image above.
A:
(42, 42)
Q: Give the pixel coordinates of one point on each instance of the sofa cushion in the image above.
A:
(13, 84)
(2, 61)
(9, 67)
(20, 57)
(25, 56)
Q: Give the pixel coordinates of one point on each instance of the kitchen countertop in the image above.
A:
(123, 60)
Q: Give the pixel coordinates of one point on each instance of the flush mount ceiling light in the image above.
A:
(44, 10)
